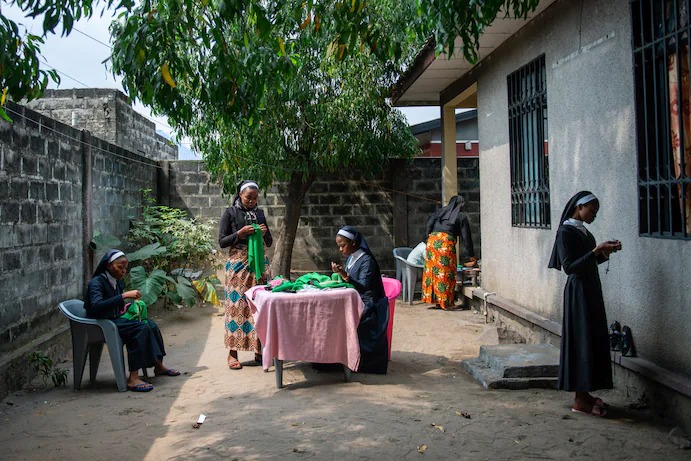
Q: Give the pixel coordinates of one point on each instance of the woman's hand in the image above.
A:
(245, 231)
(264, 229)
(607, 248)
(132, 294)
(337, 268)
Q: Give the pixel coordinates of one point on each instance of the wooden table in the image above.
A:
(318, 326)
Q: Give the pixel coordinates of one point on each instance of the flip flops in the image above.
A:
(141, 387)
(595, 410)
(168, 372)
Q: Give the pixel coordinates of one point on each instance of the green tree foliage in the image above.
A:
(352, 25)
(331, 113)
(275, 90)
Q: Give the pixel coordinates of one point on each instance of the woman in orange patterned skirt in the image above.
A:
(235, 228)
(439, 276)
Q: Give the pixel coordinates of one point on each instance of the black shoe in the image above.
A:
(627, 347)
(615, 336)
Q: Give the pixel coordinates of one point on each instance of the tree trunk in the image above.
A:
(294, 194)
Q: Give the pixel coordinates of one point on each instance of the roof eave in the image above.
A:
(424, 58)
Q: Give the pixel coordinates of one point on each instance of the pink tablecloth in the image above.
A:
(314, 326)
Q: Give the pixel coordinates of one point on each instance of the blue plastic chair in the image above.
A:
(88, 337)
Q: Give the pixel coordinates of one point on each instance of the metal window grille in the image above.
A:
(528, 146)
(661, 35)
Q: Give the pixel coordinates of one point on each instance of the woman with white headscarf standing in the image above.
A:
(584, 364)
(238, 223)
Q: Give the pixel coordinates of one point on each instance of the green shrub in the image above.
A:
(46, 369)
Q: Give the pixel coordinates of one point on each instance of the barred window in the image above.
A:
(661, 38)
(528, 146)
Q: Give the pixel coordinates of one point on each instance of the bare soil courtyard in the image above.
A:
(413, 412)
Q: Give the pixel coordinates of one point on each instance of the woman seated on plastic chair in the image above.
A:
(362, 271)
(105, 299)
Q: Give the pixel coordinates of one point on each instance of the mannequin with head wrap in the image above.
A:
(443, 229)
(105, 299)
(362, 271)
(237, 224)
(584, 364)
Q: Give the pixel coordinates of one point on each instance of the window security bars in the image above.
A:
(528, 146)
(661, 41)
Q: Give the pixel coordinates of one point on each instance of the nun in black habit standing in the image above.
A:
(105, 299)
(584, 364)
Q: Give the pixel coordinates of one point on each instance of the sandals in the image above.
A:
(597, 401)
(141, 387)
(167, 372)
(234, 364)
(595, 410)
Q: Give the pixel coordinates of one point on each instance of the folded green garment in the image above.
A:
(314, 279)
(136, 311)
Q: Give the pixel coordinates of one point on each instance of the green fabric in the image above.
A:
(314, 279)
(137, 310)
(255, 252)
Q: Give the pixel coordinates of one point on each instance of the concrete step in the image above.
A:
(515, 366)
(522, 360)
(489, 378)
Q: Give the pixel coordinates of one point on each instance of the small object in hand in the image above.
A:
(199, 422)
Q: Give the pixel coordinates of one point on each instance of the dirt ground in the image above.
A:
(417, 407)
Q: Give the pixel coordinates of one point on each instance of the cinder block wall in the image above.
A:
(108, 115)
(390, 210)
(42, 226)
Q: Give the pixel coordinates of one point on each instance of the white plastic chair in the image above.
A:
(410, 277)
(88, 337)
(400, 253)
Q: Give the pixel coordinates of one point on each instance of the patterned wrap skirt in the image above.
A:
(439, 276)
(240, 334)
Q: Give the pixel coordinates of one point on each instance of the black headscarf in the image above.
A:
(450, 212)
(554, 261)
(105, 260)
(236, 199)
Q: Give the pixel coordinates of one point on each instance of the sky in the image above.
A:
(79, 59)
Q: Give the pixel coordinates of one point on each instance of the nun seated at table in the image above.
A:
(105, 299)
(362, 271)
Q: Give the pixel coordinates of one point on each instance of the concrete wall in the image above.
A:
(108, 115)
(40, 225)
(43, 183)
(390, 210)
(590, 100)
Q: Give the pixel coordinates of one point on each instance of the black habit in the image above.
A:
(365, 276)
(142, 338)
(584, 363)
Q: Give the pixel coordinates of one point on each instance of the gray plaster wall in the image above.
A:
(592, 145)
